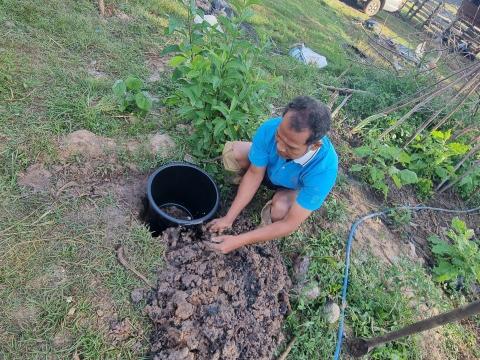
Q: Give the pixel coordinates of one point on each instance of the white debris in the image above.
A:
(308, 56)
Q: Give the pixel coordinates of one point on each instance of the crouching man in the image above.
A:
(291, 155)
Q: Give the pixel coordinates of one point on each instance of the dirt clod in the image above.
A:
(137, 295)
(331, 312)
(161, 143)
(86, 143)
(211, 306)
(36, 177)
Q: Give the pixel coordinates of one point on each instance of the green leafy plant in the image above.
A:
(400, 217)
(221, 90)
(382, 161)
(130, 97)
(432, 158)
(459, 258)
(470, 184)
(335, 209)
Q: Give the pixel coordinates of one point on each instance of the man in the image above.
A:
(290, 154)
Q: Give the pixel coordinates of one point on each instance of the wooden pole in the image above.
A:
(359, 347)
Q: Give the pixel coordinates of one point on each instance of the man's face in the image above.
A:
(290, 143)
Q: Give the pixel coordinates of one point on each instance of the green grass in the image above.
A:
(59, 277)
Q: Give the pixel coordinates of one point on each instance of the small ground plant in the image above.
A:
(130, 97)
(432, 158)
(220, 90)
(383, 161)
(459, 259)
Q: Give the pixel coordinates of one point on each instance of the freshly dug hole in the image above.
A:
(211, 306)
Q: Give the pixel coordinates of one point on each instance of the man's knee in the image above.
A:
(280, 207)
(240, 152)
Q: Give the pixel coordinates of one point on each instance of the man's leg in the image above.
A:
(282, 201)
(235, 156)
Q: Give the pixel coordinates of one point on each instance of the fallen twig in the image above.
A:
(344, 91)
(126, 265)
(101, 7)
(339, 107)
(284, 355)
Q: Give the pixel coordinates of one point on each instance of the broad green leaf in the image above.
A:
(177, 60)
(404, 157)
(173, 24)
(444, 272)
(458, 148)
(169, 49)
(356, 167)
(143, 102)
(441, 172)
(363, 151)
(459, 226)
(407, 176)
(133, 83)
(441, 248)
(119, 88)
(396, 180)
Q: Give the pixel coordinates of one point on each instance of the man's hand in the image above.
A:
(219, 225)
(223, 244)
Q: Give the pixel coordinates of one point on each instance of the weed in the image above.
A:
(400, 218)
(373, 307)
(458, 260)
(432, 158)
(335, 209)
(383, 160)
(130, 96)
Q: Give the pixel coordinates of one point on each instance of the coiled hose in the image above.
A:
(353, 230)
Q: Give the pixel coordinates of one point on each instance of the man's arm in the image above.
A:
(248, 187)
(295, 217)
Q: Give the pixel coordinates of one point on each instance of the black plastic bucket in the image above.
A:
(185, 187)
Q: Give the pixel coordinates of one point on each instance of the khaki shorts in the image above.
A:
(228, 158)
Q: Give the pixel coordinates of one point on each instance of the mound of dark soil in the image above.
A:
(212, 306)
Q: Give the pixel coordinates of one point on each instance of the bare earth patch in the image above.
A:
(210, 306)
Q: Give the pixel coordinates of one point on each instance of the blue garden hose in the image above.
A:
(353, 230)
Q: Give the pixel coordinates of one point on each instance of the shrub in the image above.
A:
(221, 90)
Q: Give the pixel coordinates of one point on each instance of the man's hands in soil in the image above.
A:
(219, 225)
(223, 244)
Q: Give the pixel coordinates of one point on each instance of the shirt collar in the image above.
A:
(304, 159)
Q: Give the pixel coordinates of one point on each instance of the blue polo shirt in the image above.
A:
(313, 175)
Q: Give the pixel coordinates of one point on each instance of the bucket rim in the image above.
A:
(159, 211)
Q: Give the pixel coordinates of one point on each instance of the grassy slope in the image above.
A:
(53, 262)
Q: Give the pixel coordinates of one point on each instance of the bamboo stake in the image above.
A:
(435, 115)
(421, 104)
(359, 347)
(445, 119)
(415, 98)
(463, 176)
(467, 156)
(339, 107)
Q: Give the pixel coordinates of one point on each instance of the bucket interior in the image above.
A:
(186, 188)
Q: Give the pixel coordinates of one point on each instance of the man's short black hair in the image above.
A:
(308, 113)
